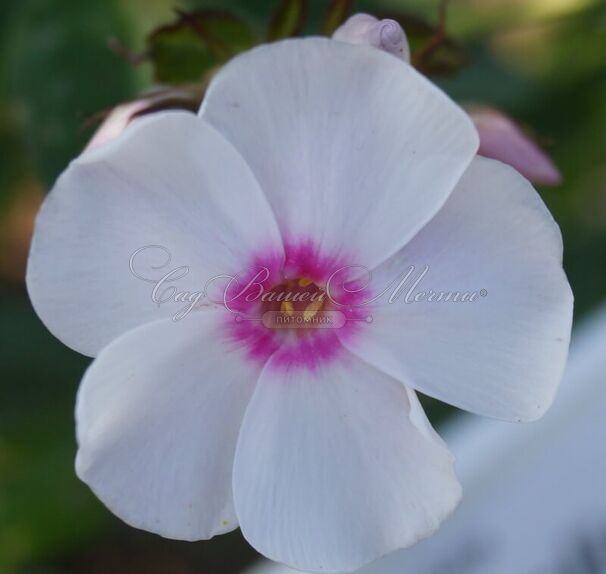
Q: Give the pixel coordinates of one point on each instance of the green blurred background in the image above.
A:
(541, 61)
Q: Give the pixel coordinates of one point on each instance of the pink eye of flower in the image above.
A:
(301, 305)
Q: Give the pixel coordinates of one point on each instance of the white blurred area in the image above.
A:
(534, 495)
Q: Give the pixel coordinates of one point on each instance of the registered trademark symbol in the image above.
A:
(483, 292)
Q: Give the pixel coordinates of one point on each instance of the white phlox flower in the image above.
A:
(307, 157)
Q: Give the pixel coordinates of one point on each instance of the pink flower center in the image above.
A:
(298, 307)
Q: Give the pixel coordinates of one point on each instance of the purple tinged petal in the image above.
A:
(365, 29)
(502, 139)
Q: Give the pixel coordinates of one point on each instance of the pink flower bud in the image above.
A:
(120, 116)
(502, 139)
(385, 34)
(115, 122)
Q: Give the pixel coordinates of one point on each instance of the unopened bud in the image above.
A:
(119, 117)
(365, 29)
(501, 138)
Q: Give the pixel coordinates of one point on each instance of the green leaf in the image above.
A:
(189, 48)
(337, 13)
(179, 55)
(287, 20)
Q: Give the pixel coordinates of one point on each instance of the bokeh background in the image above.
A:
(543, 62)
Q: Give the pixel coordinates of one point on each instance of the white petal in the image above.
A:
(331, 471)
(503, 354)
(158, 416)
(354, 149)
(169, 180)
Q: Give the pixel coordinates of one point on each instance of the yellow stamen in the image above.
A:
(287, 308)
(312, 310)
(305, 281)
